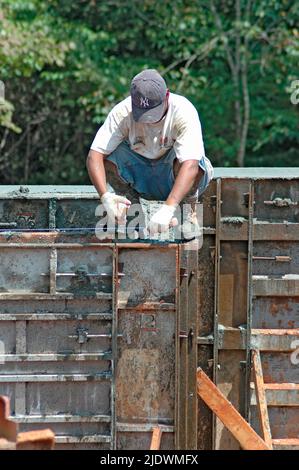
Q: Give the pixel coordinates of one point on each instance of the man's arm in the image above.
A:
(187, 175)
(116, 206)
(96, 170)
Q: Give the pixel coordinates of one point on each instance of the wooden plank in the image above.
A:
(261, 397)
(284, 444)
(282, 386)
(36, 440)
(276, 332)
(230, 417)
(7, 445)
(156, 438)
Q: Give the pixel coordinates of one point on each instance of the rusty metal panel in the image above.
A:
(231, 284)
(279, 202)
(275, 306)
(234, 199)
(142, 440)
(145, 392)
(283, 421)
(73, 329)
(70, 213)
(23, 213)
(146, 351)
(187, 403)
(84, 271)
(49, 376)
(23, 273)
(138, 284)
(106, 305)
(257, 282)
(275, 312)
(206, 288)
(229, 378)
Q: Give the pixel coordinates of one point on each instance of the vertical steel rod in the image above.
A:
(182, 364)
(216, 298)
(249, 300)
(177, 349)
(115, 280)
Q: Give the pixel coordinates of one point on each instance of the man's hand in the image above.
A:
(162, 219)
(116, 207)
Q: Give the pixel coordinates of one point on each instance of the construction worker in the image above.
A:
(150, 146)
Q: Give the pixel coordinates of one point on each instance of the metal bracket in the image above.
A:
(245, 199)
(278, 258)
(8, 224)
(213, 202)
(189, 336)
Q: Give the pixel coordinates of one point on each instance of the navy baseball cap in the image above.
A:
(148, 92)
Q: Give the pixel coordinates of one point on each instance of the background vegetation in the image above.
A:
(66, 63)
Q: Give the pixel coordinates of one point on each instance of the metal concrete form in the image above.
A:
(102, 339)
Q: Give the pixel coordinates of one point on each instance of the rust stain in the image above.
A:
(138, 392)
(274, 309)
(280, 306)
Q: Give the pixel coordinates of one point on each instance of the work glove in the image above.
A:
(116, 206)
(162, 220)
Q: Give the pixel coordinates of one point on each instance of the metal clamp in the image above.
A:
(189, 336)
(82, 335)
(183, 334)
(281, 202)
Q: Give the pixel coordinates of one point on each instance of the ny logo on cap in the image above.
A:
(144, 102)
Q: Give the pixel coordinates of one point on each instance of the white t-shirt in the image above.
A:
(180, 128)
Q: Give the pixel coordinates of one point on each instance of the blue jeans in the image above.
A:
(153, 179)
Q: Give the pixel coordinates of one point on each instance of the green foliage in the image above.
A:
(65, 64)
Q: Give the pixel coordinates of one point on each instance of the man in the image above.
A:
(150, 146)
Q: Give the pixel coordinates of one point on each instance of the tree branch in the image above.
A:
(245, 92)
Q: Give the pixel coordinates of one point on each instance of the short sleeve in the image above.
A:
(111, 133)
(189, 141)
